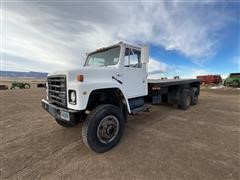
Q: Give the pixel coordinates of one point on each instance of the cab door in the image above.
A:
(134, 74)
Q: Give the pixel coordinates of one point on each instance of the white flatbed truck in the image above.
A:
(112, 84)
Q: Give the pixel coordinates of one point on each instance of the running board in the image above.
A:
(145, 108)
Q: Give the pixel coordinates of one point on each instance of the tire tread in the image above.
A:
(87, 121)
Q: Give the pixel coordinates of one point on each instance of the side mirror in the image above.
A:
(144, 55)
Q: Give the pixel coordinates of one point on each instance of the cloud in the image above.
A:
(57, 35)
(156, 66)
(23, 39)
(198, 72)
(192, 72)
(192, 29)
(48, 43)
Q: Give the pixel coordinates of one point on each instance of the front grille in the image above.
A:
(57, 91)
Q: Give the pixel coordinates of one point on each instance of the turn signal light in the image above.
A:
(80, 77)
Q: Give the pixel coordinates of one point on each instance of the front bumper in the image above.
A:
(72, 117)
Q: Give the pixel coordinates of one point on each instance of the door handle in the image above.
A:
(116, 79)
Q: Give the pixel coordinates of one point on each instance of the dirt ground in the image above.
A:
(167, 143)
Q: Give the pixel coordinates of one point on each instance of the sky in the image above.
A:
(186, 38)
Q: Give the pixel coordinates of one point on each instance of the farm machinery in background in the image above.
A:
(3, 87)
(210, 79)
(20, 85)
(232, 80)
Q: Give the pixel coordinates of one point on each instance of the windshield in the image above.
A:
(106, 57)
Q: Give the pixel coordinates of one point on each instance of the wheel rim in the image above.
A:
(108, 129)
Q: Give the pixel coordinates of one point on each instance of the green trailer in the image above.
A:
(233, 80)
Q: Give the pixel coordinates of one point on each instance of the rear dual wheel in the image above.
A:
(185, 99)
(194, 96)
(188, 97)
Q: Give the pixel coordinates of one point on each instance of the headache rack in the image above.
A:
(57, 92)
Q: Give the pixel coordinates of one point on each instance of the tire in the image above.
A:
(235, 83)
(194, 96)
(185, 100)
(93, 129)
(26, 86)
(64, 124)
(124, 110)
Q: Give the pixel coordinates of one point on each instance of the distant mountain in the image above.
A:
(23, 74)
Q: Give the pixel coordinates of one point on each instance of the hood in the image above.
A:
(96, 74)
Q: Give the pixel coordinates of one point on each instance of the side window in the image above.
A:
(132, 58)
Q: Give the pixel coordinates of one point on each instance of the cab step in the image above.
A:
(144, 108)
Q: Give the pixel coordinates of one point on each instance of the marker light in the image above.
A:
(80, 77)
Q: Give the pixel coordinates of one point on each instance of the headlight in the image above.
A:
(72, 97)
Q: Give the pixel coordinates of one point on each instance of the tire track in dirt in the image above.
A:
(41, 168)
(35, 148)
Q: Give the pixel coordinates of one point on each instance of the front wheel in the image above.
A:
(103, 128)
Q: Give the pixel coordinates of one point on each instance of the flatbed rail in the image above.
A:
(170, 82)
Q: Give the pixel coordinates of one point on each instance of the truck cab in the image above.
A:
(112, 84)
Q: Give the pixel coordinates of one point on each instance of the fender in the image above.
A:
(86, 88)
